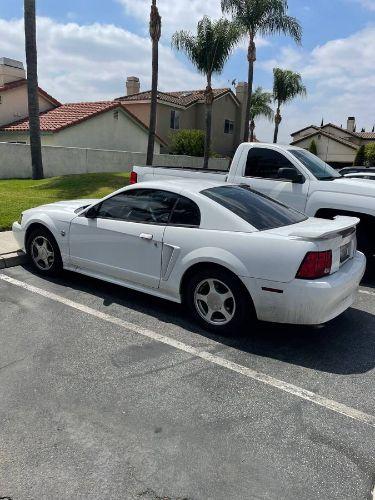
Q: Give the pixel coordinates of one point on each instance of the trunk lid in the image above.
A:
(337, 235)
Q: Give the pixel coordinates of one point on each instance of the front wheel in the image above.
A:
(44, 252)
(218, 300)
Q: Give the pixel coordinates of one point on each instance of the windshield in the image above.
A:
(321, 170)
(255, 208)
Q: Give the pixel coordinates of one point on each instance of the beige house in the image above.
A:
(98, 125)
(186, 110)
(13, 93)
(336, 145)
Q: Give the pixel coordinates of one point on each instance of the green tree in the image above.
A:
(360, 157)
(208, 49)
(32, 89)
(155, 34)
(287, 85)
(263, 18)
(188, 142)
(370, 154)
(260, 106)
(313, 148)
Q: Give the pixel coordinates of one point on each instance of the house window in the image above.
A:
(228, 127)
(115, 115)
(175, 120)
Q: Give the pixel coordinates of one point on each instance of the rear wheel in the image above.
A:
(44, 252)
(218, 300)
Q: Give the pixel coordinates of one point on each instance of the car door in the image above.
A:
(262, 173)
(122, 236)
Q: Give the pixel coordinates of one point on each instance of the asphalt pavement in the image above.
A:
(109, 393)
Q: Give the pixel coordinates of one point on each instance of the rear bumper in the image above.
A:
(306, 302)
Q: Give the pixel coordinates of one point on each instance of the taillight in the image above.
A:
(315, 265)
(133, 178)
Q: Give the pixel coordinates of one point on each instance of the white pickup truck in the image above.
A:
(293, 176)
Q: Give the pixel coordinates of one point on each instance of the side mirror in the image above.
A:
(91, 213)
(291, 174)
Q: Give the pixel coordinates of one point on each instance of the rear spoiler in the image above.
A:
(339, 226)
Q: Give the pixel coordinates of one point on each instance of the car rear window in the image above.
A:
(253, 207)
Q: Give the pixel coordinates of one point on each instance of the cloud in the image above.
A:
(90, 62)
(340, 81)
(367, 4)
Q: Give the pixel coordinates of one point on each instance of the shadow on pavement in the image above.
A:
(344, 346)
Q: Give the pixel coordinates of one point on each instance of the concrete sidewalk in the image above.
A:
(10, 253)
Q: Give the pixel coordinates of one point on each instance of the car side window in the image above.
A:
(150, 206)
(266, 163)
(185, 213)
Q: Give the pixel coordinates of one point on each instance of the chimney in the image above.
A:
(351, 124)
(11, 71)
(133, 85)
(241, 94)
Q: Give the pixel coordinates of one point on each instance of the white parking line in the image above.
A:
(207, 356)
(367, 292)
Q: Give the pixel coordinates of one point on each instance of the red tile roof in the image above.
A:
(67, 115)
(20, 83)
(366, 135)
(182, 98)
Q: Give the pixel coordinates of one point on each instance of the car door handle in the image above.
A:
(146, 236)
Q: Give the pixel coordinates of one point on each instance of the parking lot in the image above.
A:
(109, 393)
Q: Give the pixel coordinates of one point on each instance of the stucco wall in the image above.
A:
(14, 105)
(224, 109)
(15, 161)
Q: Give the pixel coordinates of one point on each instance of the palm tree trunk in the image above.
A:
(252, 128)
(155, 33)
(209, 98)
(277, 123)
(32, 89)
(251, 57)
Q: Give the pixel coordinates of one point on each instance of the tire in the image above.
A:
(203, 293)
(44, 252)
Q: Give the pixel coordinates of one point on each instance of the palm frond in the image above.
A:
(210, 48)
(261, 104)
(287, 85)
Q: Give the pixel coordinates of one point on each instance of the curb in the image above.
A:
(12, 259)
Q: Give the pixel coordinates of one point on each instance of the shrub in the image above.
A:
(313, 148)
(360, 158)
(370, 154)
(188, 142)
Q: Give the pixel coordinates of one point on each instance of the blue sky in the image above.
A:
(88, 47)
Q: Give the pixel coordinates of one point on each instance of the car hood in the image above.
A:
(66, 206)
(363, 187)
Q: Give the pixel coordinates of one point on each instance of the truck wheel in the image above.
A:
(44, 252)
(218, 300)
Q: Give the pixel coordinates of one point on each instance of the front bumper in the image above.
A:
(19, 235)
(304, 302)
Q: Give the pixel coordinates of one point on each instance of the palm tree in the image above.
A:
(260, 106)
(32, 89)
(155, 33)
(286, 86)
(208, 50)
(264, 18)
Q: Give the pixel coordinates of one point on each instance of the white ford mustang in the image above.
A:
(229, 253)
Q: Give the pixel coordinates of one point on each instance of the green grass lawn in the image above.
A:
(17, 195)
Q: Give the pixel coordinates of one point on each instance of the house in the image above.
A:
(336, 145)
(97, 125)
(186, 110)
(13, 93)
